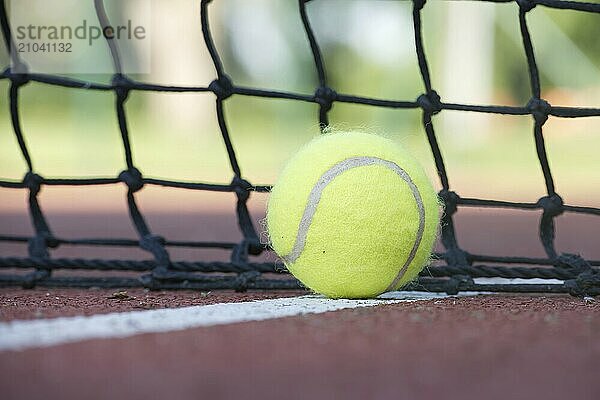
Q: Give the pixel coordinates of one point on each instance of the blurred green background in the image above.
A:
(475, 55)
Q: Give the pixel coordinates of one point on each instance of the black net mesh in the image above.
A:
(458, 269)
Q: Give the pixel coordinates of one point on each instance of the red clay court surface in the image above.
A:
(491, 346)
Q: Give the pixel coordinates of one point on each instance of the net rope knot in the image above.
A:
(133, 179)
(47, 240)
(456, 256)
(33, 182)
(540, 109)
(148, 281)
(430, 102)
(450, 199)
(587, 283)
(221, 87)
(122, 85)
(573, 262)
(243, 280)
(18, 78)
(453, 285)
(325, 96)
(552, 205)
(31, 279)
(526, 5)
(242, 188)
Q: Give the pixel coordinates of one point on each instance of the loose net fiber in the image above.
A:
(456, 272)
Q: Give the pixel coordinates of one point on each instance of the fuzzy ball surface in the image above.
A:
(353, 215)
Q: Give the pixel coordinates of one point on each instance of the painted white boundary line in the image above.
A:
(19, 335)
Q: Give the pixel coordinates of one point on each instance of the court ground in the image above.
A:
(492, 346)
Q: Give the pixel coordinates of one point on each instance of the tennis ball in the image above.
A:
(353, 215)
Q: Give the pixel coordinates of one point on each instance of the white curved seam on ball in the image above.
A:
(339, 168)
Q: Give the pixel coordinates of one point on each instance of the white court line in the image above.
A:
(19, 335)
(515, 281)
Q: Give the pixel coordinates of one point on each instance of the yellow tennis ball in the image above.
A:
(353, 215)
